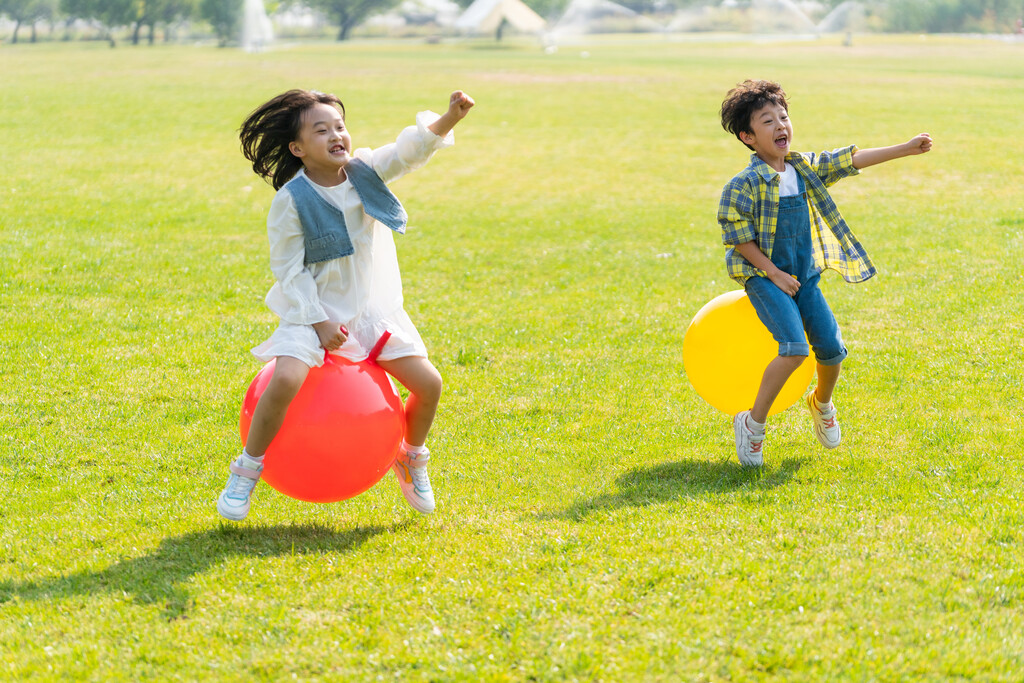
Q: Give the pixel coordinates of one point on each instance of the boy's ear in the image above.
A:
(745, 137)
(296, 149)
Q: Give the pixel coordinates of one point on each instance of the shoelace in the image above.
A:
(830, 421)
(755, 446)
(239, 486)
(419, 477)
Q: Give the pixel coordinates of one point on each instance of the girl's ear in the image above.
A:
(296, 149)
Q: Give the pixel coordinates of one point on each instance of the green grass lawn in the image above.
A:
(592, 523)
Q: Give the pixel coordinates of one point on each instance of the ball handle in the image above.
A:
(378, 347)
(374, 352)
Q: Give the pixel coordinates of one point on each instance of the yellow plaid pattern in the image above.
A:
(749, 210)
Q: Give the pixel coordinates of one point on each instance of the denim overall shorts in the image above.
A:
(789, 317)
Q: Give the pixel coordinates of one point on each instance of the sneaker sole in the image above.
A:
(418, 509)
(417, 505)
(824, 442)
(233, 516)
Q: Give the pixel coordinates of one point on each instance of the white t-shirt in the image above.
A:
(789, 184)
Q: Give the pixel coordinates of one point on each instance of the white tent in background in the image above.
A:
(486, 16)
(257, 31)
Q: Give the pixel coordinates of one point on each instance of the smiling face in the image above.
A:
(323, 144)
(770, 135)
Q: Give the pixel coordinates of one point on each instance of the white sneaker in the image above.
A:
(748, 443)
(411, 472)
(233, 502)
(825, 426)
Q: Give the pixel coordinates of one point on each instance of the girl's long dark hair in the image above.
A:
(267, 132)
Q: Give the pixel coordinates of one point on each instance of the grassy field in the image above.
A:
(593, 522)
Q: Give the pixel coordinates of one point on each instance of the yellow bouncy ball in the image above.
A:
(725, 352)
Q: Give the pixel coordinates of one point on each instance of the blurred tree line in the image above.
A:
(953, 16)
(142, 18)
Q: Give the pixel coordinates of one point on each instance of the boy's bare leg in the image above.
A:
(828, 375)
(774, 378)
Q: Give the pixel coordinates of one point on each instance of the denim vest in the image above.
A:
(323, 224)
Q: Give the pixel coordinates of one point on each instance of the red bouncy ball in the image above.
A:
(341, 433)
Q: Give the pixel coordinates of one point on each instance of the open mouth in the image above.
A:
(781, 141)
(337, 149)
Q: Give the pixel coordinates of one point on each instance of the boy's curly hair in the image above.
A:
(747, 97)
(267, 132)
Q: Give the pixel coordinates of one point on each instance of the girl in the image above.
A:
(338, 286)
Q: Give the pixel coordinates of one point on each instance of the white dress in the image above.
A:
(363, 291)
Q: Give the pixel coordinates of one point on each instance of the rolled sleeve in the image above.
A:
(411, 150)
(736, 215)
(833, 166)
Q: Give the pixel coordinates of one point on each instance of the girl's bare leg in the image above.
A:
(289, 374)
(421, 378)
(423, 381)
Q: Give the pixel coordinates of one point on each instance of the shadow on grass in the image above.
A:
(673, 481)
(160, 576)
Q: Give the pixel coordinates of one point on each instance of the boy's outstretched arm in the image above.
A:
(920, 144)
(458, 106)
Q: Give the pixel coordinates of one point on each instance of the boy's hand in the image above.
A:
(784, 281)
(459, 104)
(331, 334)
(920, 144)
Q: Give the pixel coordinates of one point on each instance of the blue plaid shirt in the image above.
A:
(749, 210)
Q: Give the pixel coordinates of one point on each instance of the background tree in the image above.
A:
(149, 13)
(29, 12)
(174, 12)
(108, 13)
(225, 16)
(146, 13)
(351, 13)
(951, 16)
(549, 9)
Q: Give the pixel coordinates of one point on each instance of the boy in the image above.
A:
(782, 229)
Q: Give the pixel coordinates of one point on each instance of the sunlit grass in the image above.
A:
(593, 523)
